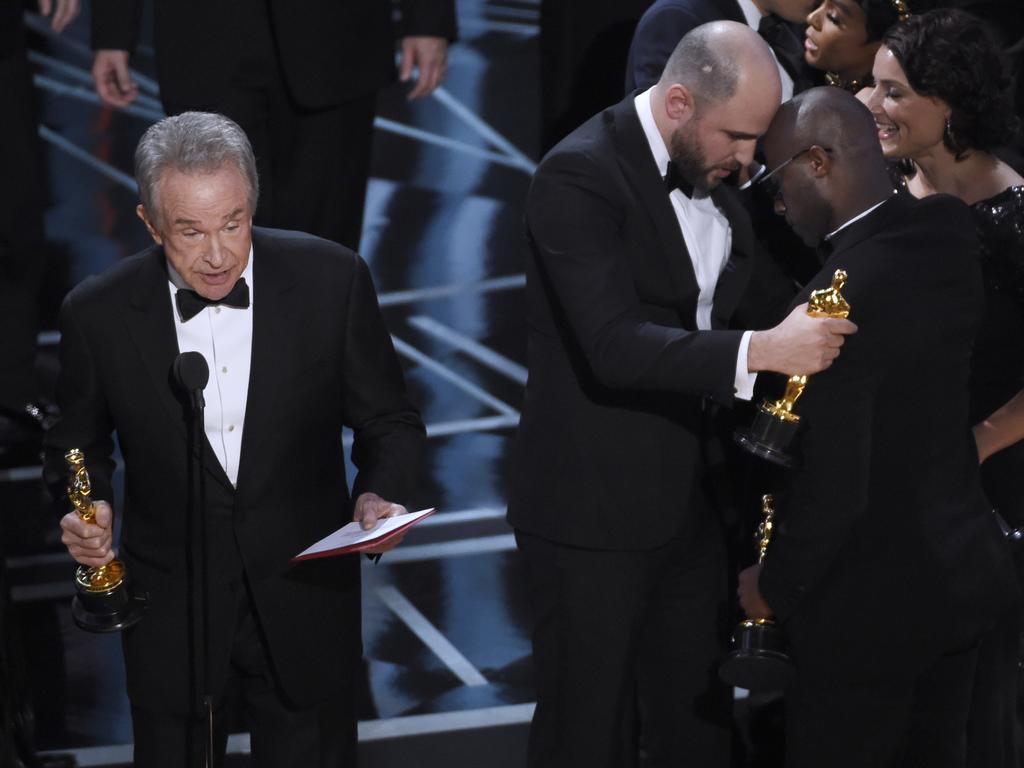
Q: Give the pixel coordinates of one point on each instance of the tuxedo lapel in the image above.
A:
(645, 178)
(736, 273)
(150, 325)
(274, 308)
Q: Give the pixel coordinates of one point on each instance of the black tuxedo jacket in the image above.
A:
(887, 553)
(608, 452)
(321, 358)
(331, 51)
(665, 23)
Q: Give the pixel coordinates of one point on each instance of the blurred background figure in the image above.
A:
(779, 22)
(942, 101)
(583, 47)
(22, 251)
(22, 263)
(301, 80)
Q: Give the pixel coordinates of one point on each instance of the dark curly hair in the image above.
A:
(952, 55)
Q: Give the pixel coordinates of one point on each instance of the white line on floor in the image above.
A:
(483, 354)
(505, 283)
(443, 549)
(440, 645)
(461, 516)
(453, 378)
(479, 125)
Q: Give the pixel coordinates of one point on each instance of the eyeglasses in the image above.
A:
(773, 185)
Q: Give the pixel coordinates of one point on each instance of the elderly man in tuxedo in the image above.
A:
(297, 348)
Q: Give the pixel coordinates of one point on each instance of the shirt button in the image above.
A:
(217, 310)
(231, 428)
(224, 369)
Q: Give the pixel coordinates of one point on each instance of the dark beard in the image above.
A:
(688, 157)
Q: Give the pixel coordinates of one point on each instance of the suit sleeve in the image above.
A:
(575, 227)
(829, 492)
(85, 421)
(115, 24)
(432, 18)
(388, 431)
(656, 36)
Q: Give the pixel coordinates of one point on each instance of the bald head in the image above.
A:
(828, 117)
(713, 61)
(826, 161)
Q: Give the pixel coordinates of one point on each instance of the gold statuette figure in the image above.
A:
(776, 422)
(104, 601)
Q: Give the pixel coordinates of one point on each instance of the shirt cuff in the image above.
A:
(744, 382)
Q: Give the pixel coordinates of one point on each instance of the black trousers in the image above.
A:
(313, 164)
(906, 723)
(281, 735)
(625, 646)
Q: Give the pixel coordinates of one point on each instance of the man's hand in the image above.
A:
(430, 55)
(369, 509)
(750, 596)
(64, 12)
(89, 543)
(114, 82)
(798, 346)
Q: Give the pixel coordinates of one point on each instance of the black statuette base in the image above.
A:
(759, 659)
(769, 437)
(110, 611)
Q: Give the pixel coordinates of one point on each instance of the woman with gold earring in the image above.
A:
(843, 36)
(941, 101)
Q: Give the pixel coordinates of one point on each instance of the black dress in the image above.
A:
(997, 374)
(997, 368)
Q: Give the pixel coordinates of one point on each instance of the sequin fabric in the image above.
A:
(1001, 231)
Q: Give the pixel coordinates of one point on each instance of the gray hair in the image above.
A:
(192, 142)
(704, 65)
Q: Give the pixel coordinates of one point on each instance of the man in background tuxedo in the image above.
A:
(290, 327)
(887, 563)
(779, 22)
(301, 79)
(638, 262)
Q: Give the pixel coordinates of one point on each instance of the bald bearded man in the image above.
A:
(638, 262)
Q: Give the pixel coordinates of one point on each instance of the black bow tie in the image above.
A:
(191, 303)
(674, 180)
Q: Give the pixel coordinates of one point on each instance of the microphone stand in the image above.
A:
(199, 615)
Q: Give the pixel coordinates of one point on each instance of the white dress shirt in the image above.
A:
(752, 14)
(223, 335)
(708, 239)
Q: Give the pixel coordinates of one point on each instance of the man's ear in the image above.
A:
(679, 104)
(821, 161)
(140, 211)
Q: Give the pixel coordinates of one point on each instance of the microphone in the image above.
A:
(191, 374)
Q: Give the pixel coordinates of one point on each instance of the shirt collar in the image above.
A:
(659, 151)
(858, 217)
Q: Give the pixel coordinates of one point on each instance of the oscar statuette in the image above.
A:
(776, 424)
(104, 599)
(758, 659)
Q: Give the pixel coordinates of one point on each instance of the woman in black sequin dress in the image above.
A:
(941, 103)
